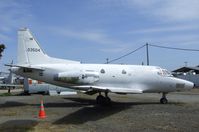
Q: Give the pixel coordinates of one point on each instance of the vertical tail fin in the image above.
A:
(29, 52)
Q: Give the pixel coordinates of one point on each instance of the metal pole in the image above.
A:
(147, 53)
(107, 60)
(186, 63)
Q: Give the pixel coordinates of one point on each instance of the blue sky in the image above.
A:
(93, 30)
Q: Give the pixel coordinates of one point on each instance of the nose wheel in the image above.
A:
(163, 100)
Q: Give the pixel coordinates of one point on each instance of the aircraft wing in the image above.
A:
(120, 90)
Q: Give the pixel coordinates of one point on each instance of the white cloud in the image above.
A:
(184, 10)
(172, 10)
(171, 28)
(114, 49)
(3, 37)
(179, 40)
(164, 10)
(109, 43)
(186, 39)
(13, 14)
(89, 35)
(97, 36)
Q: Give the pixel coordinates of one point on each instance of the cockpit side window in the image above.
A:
(160, 73)
(164, 72)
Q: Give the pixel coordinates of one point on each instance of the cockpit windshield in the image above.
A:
(164, 72)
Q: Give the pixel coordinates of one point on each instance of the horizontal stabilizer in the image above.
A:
(26, 66)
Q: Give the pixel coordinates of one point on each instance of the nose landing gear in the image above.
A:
(163, 100)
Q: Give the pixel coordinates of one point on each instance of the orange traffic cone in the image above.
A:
(42, 113)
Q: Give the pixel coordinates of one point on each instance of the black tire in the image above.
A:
(104, 101)
(163, 101)
(99, 99)
(107, 101)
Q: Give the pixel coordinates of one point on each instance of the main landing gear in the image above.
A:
(163, 100)
(101, 100)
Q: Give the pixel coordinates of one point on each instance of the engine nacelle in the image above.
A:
(87, 77)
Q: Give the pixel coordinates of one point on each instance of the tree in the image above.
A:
(2, 47)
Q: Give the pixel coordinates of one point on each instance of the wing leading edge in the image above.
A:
(120, 90)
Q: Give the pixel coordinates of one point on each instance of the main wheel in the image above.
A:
(163, 101)
(100, 99)
(107, 101)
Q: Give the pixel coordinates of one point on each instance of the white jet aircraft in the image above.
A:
(33, 62)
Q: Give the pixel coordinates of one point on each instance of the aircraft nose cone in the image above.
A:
(189, 85)
(183, 85)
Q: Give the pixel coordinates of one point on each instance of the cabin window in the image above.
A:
(102, 71)
(83, 76)
(123, 72)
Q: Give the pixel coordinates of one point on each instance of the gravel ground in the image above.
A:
(78, 113)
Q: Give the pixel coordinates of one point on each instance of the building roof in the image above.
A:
(187, 69)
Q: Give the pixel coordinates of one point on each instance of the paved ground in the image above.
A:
(79, 113)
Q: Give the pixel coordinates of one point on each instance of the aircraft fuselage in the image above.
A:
(148, 78)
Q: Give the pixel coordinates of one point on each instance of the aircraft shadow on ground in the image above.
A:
(9, 104)
(87, 110)
(89, 113)
(73, 102)
(93, 112)
(18, 125)
(12, 104)
(76, 102)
